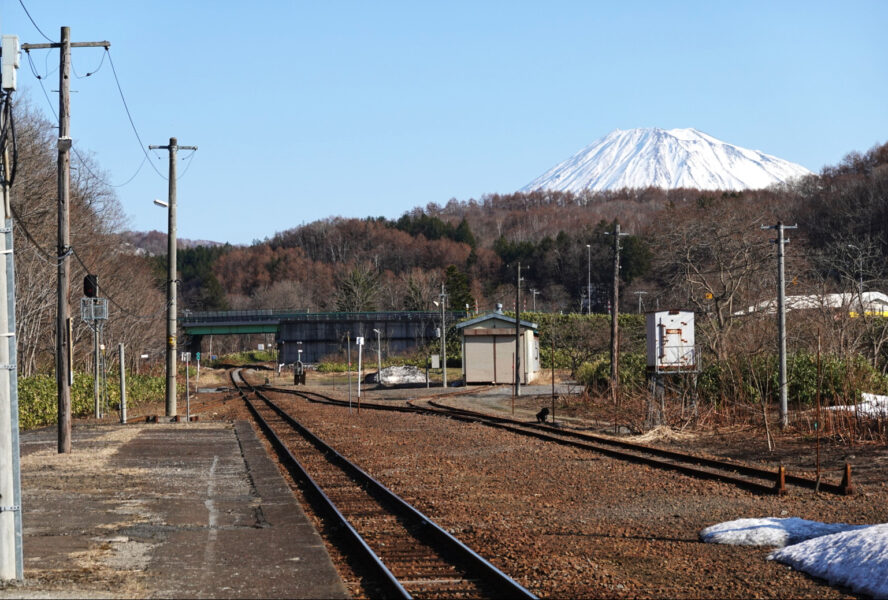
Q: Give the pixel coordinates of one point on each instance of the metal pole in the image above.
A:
(553, 377)
(349, 346)
(781, 317)
(98, 408)
(443, 337)
(818, 424)
(187, 389)
(781, 327)
(588, 279)
(63, 279)
(518, 334)
(378, 358)
(122, 383)
(11, 560)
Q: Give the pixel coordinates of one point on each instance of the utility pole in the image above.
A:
(171, 278)
(640, 304)
(781, 317)
(615, 311)
(534, 291)
(63, 342)
(588, 279)
(443, 336)
(518, 333)
(11, 556)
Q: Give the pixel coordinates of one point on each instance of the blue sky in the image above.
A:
(308, 110)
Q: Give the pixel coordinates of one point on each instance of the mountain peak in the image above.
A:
(666, 158)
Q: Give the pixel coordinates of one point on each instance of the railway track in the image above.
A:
(397, 548)
(753, 478)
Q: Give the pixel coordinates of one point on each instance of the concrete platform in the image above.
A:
(163, 511)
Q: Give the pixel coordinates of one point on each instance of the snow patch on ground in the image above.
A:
(770, 531)
(854, 556)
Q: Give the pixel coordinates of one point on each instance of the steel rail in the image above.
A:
(441, 537)
(389, 582)
(844, 488)
(620, 449)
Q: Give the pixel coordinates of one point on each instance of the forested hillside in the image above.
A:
(561, 240)
(686, 248)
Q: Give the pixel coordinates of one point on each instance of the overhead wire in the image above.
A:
(189, 158)
(91, 73)
(46, 37)
(142, 145)
(83, 162)
(40, 252)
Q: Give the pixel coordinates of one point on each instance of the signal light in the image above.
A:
(91, 286)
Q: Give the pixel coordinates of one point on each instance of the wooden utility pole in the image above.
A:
(171, 278)
(63, 341)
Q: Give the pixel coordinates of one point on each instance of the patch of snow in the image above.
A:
(871, 405)
(772, 531)
(854, 556)
(403, 375)
(857, 559)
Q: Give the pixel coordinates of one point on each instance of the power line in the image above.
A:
(83, 162)
(47, 256)
(93, 72)
(33, 68)
(108, 183)
(129, 115)
(25, 8)
(189, 158)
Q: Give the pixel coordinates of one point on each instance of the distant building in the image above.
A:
(867, 303)
(488, 349)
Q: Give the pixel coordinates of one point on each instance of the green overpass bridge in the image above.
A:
(319, 333)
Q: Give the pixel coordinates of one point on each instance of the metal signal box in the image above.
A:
(670, 341)
(10, 61)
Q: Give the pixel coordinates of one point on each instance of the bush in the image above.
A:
(758, 378)
(38, 396)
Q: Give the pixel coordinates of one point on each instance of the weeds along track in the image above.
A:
(756, 479)
(398, 551)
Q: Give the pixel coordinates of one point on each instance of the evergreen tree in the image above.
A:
(457, 285)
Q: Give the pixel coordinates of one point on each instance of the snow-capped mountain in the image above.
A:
(674, 158)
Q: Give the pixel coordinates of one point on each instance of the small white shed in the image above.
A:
(488, 349)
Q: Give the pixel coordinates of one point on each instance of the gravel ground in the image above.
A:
(569, 523)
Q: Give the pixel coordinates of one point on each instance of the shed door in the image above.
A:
(480, 359)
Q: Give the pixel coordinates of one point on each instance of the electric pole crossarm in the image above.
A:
(168, 147)
(104, 44)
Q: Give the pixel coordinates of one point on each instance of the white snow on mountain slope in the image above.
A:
(674, 158)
